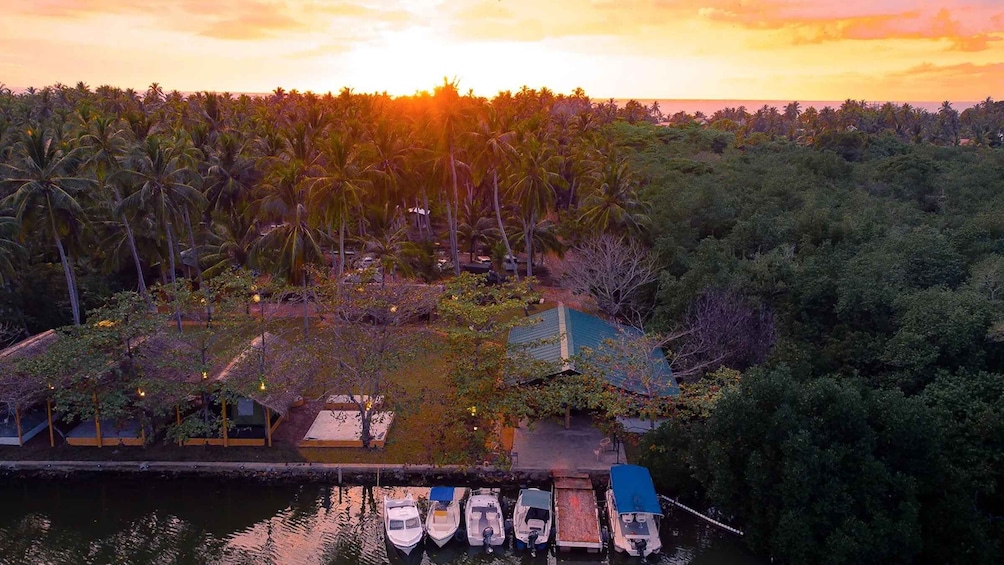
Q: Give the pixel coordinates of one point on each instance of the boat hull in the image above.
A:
(441, 541)
(484, 512)
(619, 539)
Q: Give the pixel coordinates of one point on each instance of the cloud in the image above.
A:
(238, 20)
(966, 25)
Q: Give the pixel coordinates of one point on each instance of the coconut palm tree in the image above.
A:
(287, 240)
(345, 172)
(106, 143)
(612, 204)
(449, 115)
(387, 240)
(165, 188)
(476, 229)
(46, 191)
(533, 188)
(10, 249)
(492, 139)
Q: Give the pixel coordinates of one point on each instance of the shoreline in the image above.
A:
(364, 474)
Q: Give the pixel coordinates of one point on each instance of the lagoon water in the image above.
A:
(135, 522)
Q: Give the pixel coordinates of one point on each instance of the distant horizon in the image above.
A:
(685, 49)
(668, 106)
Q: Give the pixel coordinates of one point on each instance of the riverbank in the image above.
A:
(358, 474)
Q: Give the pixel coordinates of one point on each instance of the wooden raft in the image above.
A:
(576, 514)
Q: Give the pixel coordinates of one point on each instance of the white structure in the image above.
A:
(402, 522)
(443, 519)
(634, 511)
(483, 517)
(344, 428)
(531, 520)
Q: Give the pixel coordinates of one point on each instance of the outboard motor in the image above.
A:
(486, 535)
(531, 540)
(640, 545)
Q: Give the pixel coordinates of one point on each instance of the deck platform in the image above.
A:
(576, 514)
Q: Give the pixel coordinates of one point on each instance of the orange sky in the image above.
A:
(733, 49)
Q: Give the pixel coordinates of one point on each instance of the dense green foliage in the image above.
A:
(871, 435)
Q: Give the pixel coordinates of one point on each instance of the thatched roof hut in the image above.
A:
(270, 371)
(17, 388)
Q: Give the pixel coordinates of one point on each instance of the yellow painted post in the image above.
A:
(48, 411)
(225, 437)
(268, 426)
(97, 418)
(17, 420)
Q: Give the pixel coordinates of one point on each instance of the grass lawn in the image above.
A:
(424, 397)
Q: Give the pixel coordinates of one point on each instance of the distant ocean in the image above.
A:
(670, 106)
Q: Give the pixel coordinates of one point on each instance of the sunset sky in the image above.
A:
(732, 49)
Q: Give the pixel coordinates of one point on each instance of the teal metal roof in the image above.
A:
(583, 331)
(542, 326)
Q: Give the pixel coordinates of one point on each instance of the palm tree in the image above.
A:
(165, 189)
(613, 205)
(345, 174)
(288, 241)
(533, 188)
(449, 116)
(9, 248)
(45, 196)
(493, 139)
(106, 142)
(387, 240)
(476, 228)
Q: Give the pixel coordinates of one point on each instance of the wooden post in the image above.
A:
(177, 410)
(97, 418)
(568, 417)
(225, 438)
(268, 426)
(48, 411)
(17, 420)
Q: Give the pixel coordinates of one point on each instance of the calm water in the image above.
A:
(197, 521)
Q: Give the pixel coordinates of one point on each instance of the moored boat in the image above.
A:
(402, 522)
(634, 511)
(532, 518)
(484, 521)
(443, 519)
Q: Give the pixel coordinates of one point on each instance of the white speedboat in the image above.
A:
(483, 517)
(402, 522)
(634, 511)
(531, 519)
(443, 519)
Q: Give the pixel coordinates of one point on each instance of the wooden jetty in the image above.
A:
(576, 514)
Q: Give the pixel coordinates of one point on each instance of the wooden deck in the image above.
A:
(577, 516)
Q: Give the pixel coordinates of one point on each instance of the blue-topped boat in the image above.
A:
(634, 511)
(443, 519)
(532, 519)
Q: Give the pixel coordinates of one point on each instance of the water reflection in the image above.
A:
(200, 521)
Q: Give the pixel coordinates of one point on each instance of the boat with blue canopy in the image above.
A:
(532, 518)
(634, 511)
(443, 518)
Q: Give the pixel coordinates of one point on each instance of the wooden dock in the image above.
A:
(576, 514)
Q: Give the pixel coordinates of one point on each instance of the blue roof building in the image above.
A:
(557, 335)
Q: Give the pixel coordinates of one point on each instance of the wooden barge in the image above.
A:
(576, 513)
